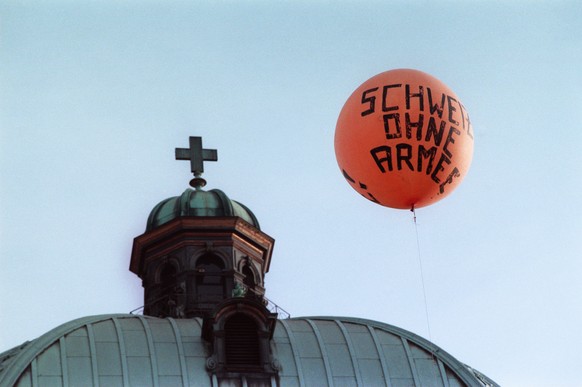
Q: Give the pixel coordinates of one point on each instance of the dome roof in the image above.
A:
(137, 350)
(198, 203)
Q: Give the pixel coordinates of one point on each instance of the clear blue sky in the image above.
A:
(94, 98)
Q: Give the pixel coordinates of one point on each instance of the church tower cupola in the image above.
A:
(200, 249)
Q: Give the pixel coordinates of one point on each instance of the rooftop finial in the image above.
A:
(197, 155)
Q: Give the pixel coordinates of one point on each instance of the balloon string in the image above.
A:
(421, 273)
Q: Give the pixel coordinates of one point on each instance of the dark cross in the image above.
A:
(197, 155)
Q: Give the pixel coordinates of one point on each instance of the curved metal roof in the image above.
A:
(198, 203)
(134, 350)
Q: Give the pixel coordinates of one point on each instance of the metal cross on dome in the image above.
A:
(197, 155)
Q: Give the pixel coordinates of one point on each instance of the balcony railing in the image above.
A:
(215, 299)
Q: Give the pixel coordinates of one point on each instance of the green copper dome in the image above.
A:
(134, 350)
(198, 203)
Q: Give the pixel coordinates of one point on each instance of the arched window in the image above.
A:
(210, 264)
(168, 277)
(249, 279)
(210, 282)
(241, 342)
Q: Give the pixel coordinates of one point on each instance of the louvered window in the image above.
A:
(242, 342)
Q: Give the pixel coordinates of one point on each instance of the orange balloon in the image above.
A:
(403, 139)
